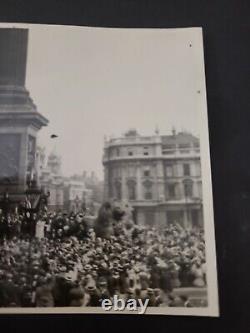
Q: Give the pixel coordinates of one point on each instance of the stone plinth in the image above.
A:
(19, 119)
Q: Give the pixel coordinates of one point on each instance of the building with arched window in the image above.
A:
(66, 193)
(159, 175)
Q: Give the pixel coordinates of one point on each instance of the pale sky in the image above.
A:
(91, 82)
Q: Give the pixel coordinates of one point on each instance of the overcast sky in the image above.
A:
(91, 82)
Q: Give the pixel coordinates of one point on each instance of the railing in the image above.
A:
(131, 140)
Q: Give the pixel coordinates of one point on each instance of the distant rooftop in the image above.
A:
(179, 138)
(131, 133)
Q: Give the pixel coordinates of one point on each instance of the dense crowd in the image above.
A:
(55, 259)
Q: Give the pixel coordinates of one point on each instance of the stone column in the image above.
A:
(161, 218)
(139, 194)
(200, 217)
(160, 181)
(123, 182)
(140, 217)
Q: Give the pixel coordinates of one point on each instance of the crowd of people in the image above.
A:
(57, 259)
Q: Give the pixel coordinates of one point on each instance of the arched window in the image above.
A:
(188, 188)
(148, 195)
(171, 190)
(131, 190)
(118, 190)
(186, 169)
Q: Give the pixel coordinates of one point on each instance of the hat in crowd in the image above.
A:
(130, 291)
(35, 263)
(143, 275)
(87, 267)
(157, 290)
(137, 269)
(150, 291)
(90, 288)
(120, 268)
(102, 281)
(62, 268)
(116, 274)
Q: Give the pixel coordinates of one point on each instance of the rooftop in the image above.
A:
(132, 137)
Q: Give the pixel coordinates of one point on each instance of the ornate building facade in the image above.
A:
(66, 193)
(159, 175)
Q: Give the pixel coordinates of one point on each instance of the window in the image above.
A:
(148, 190)
(167, 152)
(117, 152)
(168, 149)
(131, 190)
(184, 145)
(174, 217)
(146, 171)
(171, 191)
(186, 169)
(118, 190)
(184, 151)
(188, 188)
(168, 146)
(145, 151)
(148, 195)
(130, 153)
(169, 171)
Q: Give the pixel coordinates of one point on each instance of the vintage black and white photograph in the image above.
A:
(105, 180)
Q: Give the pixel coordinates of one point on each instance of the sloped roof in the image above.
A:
(179, 138)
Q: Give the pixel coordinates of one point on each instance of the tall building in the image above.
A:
(76, 194)
(51, 179)
(159, 175)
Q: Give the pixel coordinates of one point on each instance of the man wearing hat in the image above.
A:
(94, 296)
(114, 282)
(61, 290)
(103, 288)
(151, 297)
(44, 296)
(76, 295)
